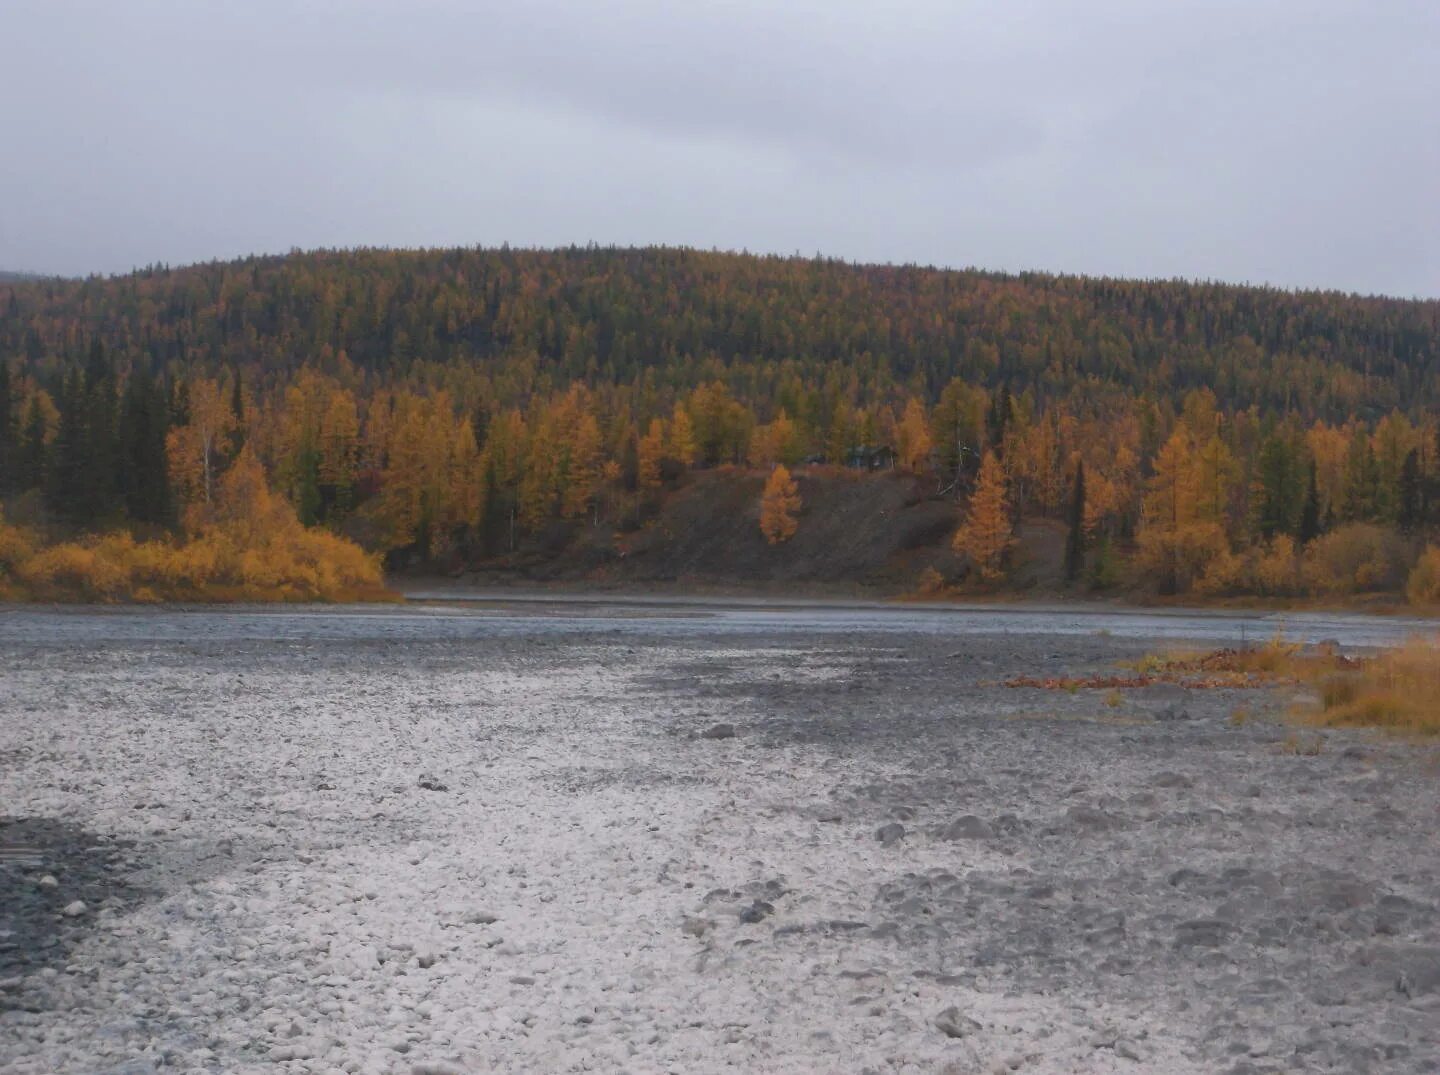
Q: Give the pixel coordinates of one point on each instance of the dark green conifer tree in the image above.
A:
(9, 434)
(1075, 540)
(1310, 517)
(32, 449)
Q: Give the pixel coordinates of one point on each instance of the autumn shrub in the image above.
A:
(247, 544)
(1223, 573)
(1422, 588)
(930, 583)
(82, 570)
(1177, 558)
(1398, 690)
(1354, 558)
(16, 547)
(1274, 568)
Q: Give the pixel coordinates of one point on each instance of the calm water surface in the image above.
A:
(441, 620)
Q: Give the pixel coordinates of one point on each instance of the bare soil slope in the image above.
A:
(873, 532)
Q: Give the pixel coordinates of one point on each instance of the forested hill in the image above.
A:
(774, 329)
(599, 407)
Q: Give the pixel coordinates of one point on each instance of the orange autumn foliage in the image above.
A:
(778, 505)
(246, 545)
(987, 533)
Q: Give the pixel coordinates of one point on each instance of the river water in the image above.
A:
(436, 618)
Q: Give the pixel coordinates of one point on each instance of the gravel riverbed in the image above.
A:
(654, 841)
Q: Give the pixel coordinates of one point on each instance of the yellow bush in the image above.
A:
(1422, 588)
(1354, 558)
(64, 569)
(930, 584)
(1182, 556)
(16, 546)
(1275, 569)
(248, 545)
(1223, 573)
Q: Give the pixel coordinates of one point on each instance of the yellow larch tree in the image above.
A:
(650, 450)
(774, 443)
(680, 437)
(912, 437)
(1181, 537)
(195, 450)
(779, 504)
(465, 491)
(1215, 478)
(339, 449)
(1328, 447)
(585, 471)
(987, 533)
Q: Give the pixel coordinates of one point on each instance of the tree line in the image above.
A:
(457, 404)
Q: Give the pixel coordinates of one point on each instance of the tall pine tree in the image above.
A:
(9, 435)
(1075, 540)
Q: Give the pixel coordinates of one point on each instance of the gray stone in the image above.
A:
(1089, 817)
(695, 926)
(968, 827)
(719, 731)
(1129, 1050)
(75, 909)
(954, 1023)
(1202, 933)
(1172, 780)
(890, 834)
(758, 911)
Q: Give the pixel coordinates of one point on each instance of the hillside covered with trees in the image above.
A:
(451, 408)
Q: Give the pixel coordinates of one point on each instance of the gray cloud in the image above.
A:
(1289, 142)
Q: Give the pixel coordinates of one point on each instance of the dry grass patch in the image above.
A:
(1397, 689)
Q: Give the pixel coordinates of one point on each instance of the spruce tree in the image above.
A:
(237, 408)
(98, 488)
(998, 420)
(144, 481)
(1310, 517)
(66, 482)
(1075, 541)
(9, 435)
(1409, 493)
(1280, 500)
(31, 470)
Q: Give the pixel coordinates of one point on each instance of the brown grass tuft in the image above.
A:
(1398, 689)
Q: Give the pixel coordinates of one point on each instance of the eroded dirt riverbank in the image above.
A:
(390, 844)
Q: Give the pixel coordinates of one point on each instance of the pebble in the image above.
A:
(694, 926)
(890, 834)
(954, 1023)
(1129, 1050)
(74, 909)
(968, 827)
(756, 912)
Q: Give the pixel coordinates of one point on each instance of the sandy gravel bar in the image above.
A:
(395, 842)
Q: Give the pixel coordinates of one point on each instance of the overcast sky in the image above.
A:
(1294, 142)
